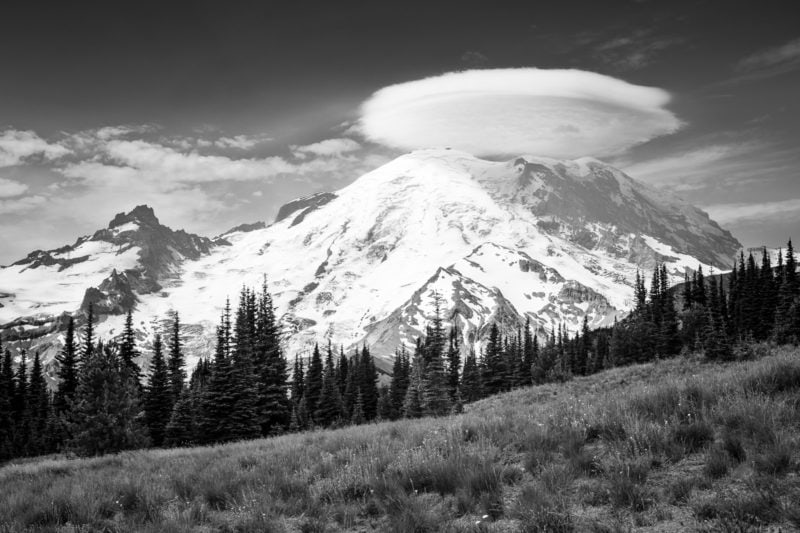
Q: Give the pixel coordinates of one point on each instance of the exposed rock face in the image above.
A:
(303, 206)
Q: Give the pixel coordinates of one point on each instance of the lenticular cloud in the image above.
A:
(500, 112)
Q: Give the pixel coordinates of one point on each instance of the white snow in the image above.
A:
(354, 261)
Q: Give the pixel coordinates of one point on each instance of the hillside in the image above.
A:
(674, 445)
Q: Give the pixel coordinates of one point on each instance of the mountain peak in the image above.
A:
(143, 214)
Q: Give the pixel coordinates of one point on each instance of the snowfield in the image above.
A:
(548, 240)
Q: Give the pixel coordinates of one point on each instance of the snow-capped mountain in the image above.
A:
(536, 238)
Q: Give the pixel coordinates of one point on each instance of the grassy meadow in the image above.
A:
(675, 445)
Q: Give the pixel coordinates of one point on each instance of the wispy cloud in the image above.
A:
(9, 188)
(17, 145)
(326, 148)
(241, 142)
(778, 58)
(785, 210)
(685, 166)
(633, 51)
(140, 161)
(21, 205)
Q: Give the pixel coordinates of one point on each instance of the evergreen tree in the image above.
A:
(298, 380)
(495, 378)
(435, 394)
(767, 297)
(412, 403)
(106, 415)
(384, 403)
(582, 359)
(244, 420)
(67, 371)
(342, 371)
(399, 385)
(313, 384)
(529, 349)
(274, 406)
(183, 428)
(453, 363)
(88, 334)
(176, 364)
(158, 395)
(368, 385)
(7, 394)
(127, 348)
(20, 410)
(38, 407)
(329, 408)
(218, 399)
(471, 386)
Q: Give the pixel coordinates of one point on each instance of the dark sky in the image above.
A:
(296, 72)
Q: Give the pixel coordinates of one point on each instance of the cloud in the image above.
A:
(10, 188)
(785, 210)
(16, 145)
(20, 205)
(502, 112)
(242, 142)
(142, 161)
(634, 51)
(326, 148)
(685, 166)
(784, 57)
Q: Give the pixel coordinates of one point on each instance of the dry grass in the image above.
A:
(669, 446)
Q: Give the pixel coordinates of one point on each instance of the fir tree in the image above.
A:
(244, 420)
(158, 395)
(67, 371)
(435, 395)
(368, 385)
(313, 383)
(88, 334)
(529, 349)
(471, 386)
(495, 378)
(127, 348)
(20, 407)
(182, 429)
(767, 297)
(329, 408)
(412, 403)
(453, 363)
(274, 406)
(7, 394)
(37, 405)
(218, 399)
(176, 364)
(106, 416)
(399, 385)
(298, 380)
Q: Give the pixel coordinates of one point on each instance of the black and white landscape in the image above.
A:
(409, 268)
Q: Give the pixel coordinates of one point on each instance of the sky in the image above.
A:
(218, 113)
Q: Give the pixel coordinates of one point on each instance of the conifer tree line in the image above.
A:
(103, 402)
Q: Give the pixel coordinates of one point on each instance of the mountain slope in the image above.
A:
(532, 237)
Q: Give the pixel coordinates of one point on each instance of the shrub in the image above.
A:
(733, 446)
(626, 485)
(717, 463)
(681, 489)
(775, 460)
(694, 435)
(541, 511)
(741, 512)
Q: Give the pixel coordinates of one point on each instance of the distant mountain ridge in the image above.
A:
(531, 238)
